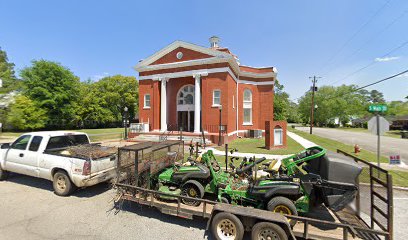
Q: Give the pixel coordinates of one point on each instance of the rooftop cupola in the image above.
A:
(214, 41)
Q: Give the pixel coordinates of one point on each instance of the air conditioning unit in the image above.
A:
(255, 133)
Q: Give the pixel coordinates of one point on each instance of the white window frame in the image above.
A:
(145, 106)
(275, 132)
(247, 104)
(216, 104)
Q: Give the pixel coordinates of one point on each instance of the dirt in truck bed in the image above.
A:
(89, 151)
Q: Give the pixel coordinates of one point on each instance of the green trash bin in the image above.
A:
(404, 134)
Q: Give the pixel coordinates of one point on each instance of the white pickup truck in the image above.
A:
(66, 158)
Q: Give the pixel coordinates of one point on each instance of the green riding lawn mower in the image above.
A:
(290, 186)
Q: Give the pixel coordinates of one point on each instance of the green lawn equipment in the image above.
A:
(294, 184)
(200, 176)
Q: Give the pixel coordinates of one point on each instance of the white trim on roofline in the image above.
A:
(218, 57)
(189, 73)
(256, 83)
(177, 44)
(203, 72)
(257, 75)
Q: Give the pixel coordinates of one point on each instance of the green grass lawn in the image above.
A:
(333, 145)
(257, 145)
(96, 135)
(399, 178)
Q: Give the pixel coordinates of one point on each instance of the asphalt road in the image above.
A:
(30, 210)
(368, 141)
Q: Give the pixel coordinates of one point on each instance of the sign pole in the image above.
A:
(378, 139)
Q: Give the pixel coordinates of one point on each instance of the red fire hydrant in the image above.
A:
(357, 149)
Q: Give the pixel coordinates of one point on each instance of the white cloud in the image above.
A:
(98, 77)
(386, 59)
(405, 75)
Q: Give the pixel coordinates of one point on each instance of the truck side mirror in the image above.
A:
(5, 146)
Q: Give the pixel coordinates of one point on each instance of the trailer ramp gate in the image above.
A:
(374, 202)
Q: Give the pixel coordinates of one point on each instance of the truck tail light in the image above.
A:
(87, 168)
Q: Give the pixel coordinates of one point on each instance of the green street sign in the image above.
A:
(377, 108)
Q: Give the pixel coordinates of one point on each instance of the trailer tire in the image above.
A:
(192, 188)
(3, 174)
(227, 226)
(283, 205)
(62, 184)
(267, 230)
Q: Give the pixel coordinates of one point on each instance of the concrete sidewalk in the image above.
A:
(240, 154)
(302, 141)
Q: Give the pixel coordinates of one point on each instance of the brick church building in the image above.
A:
(190, 86)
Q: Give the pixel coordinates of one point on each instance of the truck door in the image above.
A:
(17, 157)
(33, 154)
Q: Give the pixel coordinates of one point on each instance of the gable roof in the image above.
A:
(178, 44)
(216, 56)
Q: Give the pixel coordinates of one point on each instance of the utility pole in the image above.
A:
(312, 107)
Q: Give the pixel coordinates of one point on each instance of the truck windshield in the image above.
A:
(66, 141)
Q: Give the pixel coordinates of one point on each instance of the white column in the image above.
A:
(163, 105)
(197, 103)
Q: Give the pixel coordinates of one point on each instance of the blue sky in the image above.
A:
(300, 38)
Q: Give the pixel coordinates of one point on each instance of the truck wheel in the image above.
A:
(283, 205)
(3, 174)
(267, 230)
(62, 184)
(193, 189)
(227, 226)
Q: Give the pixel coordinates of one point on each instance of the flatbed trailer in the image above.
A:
(305, 227)
(221, 217)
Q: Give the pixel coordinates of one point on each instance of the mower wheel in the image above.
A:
(283, 205)
(226, 226)
(193, 189)
(267, 230)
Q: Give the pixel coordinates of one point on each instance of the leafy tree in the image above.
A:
(283, 107)
(90, 110)
(24, 114)
(116, 93)
(54, 88)
(376, 96)
(341, 102)
(7, 74)
(397, 108)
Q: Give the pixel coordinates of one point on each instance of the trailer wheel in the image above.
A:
(3, 174)
(267, 230)
(225, 226)
(283, 205)
(62, 184)
(193, 189)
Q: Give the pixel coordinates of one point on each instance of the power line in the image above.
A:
(372, 38)
(355, 34)
(368, 85)
(371, 63)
